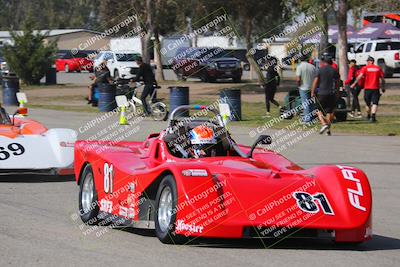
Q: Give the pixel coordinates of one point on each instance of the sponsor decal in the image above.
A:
(106, 205)
(182, 226)
(354, 194)
(126, 212)
(130, 200)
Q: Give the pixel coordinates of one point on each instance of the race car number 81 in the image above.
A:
(13, 149)
(108, 178)
(308, 203)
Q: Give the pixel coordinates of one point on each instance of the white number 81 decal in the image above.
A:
(108, 178)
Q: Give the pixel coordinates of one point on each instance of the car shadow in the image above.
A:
(35, 178)
(377, 243)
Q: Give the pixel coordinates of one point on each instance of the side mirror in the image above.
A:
(263, 140)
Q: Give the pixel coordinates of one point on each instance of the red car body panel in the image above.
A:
(265, 196)
(74, 64)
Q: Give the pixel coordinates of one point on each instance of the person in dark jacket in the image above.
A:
(101, 75)
(146, 75)
(351, 77)
(327, 82)
(271, 84)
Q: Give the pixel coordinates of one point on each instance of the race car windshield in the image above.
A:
(127, 57)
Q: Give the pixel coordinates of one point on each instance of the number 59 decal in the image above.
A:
(108, 178)
(309, 203)
(12, 149)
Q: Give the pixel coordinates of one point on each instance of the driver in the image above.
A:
(4, 117)
(202, 142)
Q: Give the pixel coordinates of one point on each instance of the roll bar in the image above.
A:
(195, 107)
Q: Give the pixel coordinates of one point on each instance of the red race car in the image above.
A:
(193, 180)
(69, 62)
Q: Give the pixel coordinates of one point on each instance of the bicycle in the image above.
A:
(128, 99)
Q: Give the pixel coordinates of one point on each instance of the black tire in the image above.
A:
(66, 68)
(204, 77)
(90, 217)
(167, 236)
(116, 74)
(237, 79)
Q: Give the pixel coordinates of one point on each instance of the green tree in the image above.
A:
(30, 55)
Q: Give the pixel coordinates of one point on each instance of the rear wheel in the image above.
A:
(159, 111)
(165, 217)
(88, 205)
(385, 69)
(204, 77)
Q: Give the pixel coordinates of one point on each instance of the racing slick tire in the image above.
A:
(164, 217)
(88, 204)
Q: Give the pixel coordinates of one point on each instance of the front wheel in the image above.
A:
(237, 79)
(385, 69)
(165, 217)
(159, 111)
(116, 74)
(88, 205)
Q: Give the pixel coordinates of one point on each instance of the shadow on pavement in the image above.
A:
(35, 178)
(378, 242)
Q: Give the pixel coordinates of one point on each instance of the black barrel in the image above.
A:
(51, 76)
(232, 98)
(106, 97)
(179, 96)
(10, 86)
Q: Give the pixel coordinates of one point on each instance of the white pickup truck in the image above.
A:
(385, 52)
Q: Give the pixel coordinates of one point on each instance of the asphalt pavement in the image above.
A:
(38, 227)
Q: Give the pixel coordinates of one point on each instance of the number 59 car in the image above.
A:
(26, 146)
